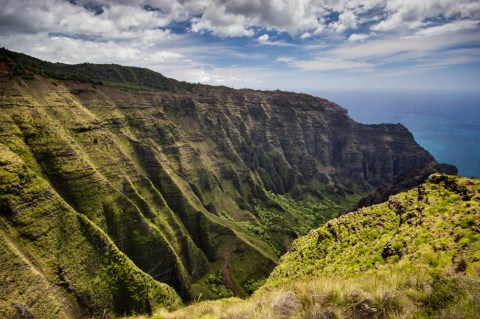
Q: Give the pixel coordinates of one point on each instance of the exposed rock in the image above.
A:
(22, 312)
(364, 310)
(388, 251)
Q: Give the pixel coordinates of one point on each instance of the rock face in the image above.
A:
(175, 180)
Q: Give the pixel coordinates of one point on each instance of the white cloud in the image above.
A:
(358, 37)
(238, 77)
(71, 50)
(410, 15)
(222, 23)
(448, 28)
(336, 35)
(387, 47)
(126, 19)
(263, 38)
(305, 35)
(346, 20)
(285, 59)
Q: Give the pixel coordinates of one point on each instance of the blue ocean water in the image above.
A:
(447, 124)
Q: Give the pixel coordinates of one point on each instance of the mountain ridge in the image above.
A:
(200, 187)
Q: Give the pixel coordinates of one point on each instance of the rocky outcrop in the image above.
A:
(181, 178)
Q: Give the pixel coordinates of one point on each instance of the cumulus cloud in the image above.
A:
(416, 14)
(222, 23)
(358, 37)
(346, 20)
(305, 35)
(76, 50)
(303, 18)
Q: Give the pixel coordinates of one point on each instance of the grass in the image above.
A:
(396, 292)
(437, 229)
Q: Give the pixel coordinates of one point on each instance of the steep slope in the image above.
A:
(56, 262)
(435, 225)
(202, 188)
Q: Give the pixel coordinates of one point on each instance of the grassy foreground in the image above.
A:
(390, 293)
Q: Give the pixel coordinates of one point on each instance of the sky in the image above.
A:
(295, 45)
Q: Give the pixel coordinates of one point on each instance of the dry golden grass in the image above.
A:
(396, 293)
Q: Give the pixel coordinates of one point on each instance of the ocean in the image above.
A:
(446, 124)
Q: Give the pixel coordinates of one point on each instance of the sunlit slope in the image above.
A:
(57, 261)
(434, 226)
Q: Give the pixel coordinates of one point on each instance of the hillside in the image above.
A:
(435, 225)
(416, 255)
(202, 188)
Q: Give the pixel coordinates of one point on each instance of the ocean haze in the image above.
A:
(446, 123)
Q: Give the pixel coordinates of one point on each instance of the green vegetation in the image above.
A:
(415, 256)
(399, 292)
(47, 249)
(303, 215)
(132, 172)
(215, 283)
(97, 74)
(434, 225)
(122, 190)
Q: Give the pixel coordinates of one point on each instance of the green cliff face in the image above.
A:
(108, 190)
(56, 261)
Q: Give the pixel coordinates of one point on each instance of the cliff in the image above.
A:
(415, 255)
(198, 187)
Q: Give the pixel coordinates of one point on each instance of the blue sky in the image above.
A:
(296, 45)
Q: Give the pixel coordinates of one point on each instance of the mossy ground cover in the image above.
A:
(435, 225)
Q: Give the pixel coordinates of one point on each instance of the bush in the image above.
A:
(215, 284)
